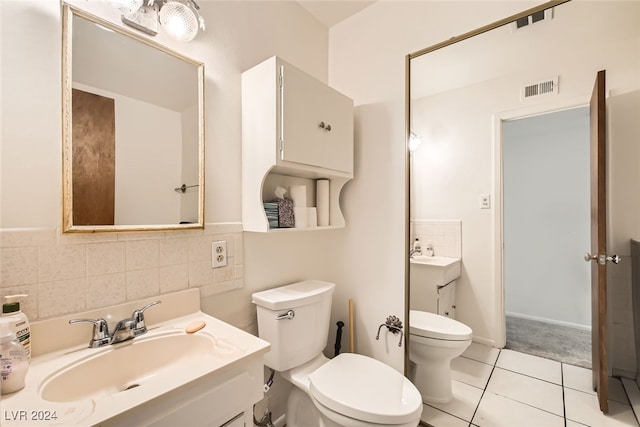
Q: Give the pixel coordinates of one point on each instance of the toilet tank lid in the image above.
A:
(294, 295)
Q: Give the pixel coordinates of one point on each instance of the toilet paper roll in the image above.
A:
(312, 217)
(322, 201)
(300, 215)
(299, 195)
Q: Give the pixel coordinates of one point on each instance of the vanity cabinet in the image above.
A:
(446, 300)
(216, 400)
(293, 126)
(439, 299)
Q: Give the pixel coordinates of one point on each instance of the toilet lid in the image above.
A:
(430, 325)
(365, 389)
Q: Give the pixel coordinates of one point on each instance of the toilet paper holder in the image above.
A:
(394, 325)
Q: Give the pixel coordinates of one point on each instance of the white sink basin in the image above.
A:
(434, 270)
(138, 363)
(210, 375)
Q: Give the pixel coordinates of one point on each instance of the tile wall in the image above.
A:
(68, 273)
(446, 236)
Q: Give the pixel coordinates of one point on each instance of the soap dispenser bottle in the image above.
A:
(18, 321)
(417, 248)
(13, 360)
(429, 250)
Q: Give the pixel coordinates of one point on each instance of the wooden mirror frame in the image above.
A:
(68, 13)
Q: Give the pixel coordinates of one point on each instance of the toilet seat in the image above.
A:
(365, 389)
(430, 325)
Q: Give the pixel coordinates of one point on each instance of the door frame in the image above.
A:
(500, 337)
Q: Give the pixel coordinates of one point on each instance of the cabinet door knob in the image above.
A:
(324, 126)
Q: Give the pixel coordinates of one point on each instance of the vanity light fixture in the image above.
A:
(126, 7)
(415, 141)
(180, 19)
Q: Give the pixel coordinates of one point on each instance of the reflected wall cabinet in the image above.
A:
(295, 130)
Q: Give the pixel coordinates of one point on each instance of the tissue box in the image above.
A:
(285, 213)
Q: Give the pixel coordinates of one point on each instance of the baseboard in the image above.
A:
(486, 341)
(623, 374)
(551, 321)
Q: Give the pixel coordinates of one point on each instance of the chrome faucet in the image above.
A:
(125, 330)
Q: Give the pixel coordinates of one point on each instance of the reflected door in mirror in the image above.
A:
(93, 159)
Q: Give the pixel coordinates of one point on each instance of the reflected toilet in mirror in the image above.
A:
(435, 338)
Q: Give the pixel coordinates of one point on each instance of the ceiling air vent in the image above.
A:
(526, 21)
(544, 87)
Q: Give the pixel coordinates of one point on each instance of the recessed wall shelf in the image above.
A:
(295, 129)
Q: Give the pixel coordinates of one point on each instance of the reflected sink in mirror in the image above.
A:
(435, 270)
(134, 364)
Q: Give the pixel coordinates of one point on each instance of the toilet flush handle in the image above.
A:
(288, 315)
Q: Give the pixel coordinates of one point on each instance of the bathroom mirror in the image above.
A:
(464, 97)
(133, 130)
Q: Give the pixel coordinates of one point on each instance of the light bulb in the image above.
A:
(179, 21)
(126, 7)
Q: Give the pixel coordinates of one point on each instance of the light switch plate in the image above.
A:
(485, 201)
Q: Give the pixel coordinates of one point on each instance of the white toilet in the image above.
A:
(434, 340)
(349, 390)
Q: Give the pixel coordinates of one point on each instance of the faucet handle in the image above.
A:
(138, 318)
(100, 331)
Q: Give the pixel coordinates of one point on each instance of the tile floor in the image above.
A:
(496, 388)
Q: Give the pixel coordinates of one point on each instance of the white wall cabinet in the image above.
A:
(293, 125)
(317, 122)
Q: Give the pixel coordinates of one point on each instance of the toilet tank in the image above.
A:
(301, 336)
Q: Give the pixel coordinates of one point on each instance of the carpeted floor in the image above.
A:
(561, 343)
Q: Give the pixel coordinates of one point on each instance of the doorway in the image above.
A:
(546, 225)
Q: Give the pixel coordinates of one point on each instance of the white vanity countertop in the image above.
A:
(435, 261)
(233, 347)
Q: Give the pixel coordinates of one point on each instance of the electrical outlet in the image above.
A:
(218, 253)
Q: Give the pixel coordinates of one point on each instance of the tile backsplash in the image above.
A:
(68, 273)
(445, 236)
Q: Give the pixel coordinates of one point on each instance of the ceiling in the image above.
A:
(331, 12)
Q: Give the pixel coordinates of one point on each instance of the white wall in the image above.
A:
(368, 64)
(546, 217)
